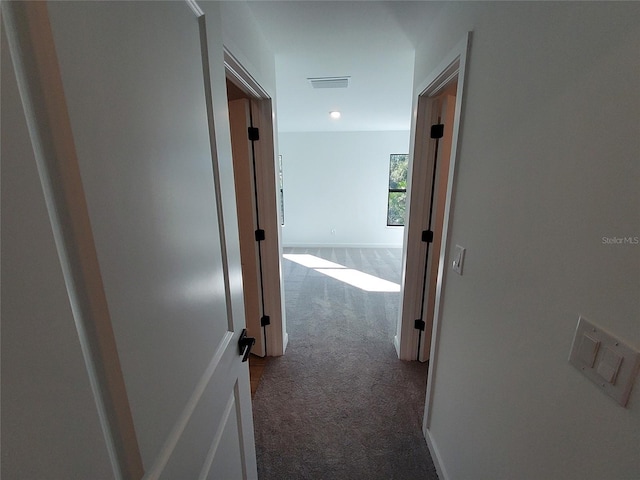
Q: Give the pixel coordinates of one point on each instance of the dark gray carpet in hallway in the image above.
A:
(339, 404)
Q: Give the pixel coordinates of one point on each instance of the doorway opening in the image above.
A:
(255, 177)
(429, 190)
(432, 174)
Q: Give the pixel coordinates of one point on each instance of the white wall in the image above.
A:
(244, 39)
(548, 165)
(338, 181)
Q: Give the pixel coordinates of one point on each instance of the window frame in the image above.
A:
(397, 190)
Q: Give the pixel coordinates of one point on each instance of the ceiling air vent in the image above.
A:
(329, 82)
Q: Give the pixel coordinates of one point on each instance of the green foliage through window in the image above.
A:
(397, 203)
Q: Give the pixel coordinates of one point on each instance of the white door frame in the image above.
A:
(454, 64)
(267, 200)
(420, 173)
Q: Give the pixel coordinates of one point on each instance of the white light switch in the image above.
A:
(588, 350)
(605, 360)
(609, 365)
(458, 259)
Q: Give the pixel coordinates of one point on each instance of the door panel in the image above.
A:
(133, 78)
(51, 428)
(226, 461)
(211, 409)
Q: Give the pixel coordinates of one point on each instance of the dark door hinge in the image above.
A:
(427, 236)
(254, 134)
(419, 325)
(264, 321)
(437, 130)
(260, 235)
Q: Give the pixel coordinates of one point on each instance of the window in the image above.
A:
(281, 186)
(397, 203)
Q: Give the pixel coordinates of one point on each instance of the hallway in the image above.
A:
(340, 404)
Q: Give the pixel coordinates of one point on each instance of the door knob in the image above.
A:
(244, 345)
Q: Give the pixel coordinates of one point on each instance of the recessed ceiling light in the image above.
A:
(335, 114)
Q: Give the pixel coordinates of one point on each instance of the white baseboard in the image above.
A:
(285, 342)
(341, 245)
(396, 343)
(435, 456)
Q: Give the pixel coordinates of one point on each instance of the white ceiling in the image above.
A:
(370, 41)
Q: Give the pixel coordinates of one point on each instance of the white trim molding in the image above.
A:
(436, 457)
(266, 176)
(195, 8)
(458, 55)
(451, 69)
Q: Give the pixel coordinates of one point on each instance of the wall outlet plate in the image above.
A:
(605, 360)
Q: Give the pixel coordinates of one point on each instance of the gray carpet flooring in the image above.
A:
(339, 404)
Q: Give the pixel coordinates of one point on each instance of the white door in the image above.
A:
(133, 80)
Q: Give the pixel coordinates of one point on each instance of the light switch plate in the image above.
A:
(605, 360)
(458, 259)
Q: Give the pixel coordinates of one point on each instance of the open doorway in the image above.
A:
(429, 189)
(432, 174)
(336, 202)
(337, 189)
(444, 105)
(255, 176)
(244, 170)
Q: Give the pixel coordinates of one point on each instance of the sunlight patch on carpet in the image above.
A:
(311, 261)
(355, 278)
